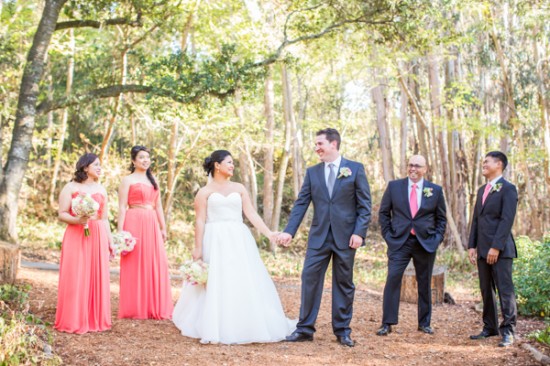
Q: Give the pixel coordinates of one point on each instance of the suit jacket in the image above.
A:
(396, 220)
(347, 212)
(492, 222)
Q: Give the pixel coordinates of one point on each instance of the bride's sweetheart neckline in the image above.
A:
(224, 196)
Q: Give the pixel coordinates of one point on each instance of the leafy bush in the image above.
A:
(542, 335)
(24, 339)
(531, 277)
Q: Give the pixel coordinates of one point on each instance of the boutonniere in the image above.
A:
(428, 192)
(344, 172)
(496, 188)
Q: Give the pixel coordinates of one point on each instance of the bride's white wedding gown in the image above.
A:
(240, 303)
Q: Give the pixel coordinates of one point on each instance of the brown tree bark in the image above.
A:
(64, 121)
(269, 111)
(21, 143)
(285, 156)
(380, 101)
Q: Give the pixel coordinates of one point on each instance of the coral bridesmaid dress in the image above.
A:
(84, 298)
(145, 291)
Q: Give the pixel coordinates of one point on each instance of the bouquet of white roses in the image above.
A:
(123, 243)
(195, 272)
(84, 205)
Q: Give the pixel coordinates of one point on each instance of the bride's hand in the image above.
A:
(197, 254)
(274, 236)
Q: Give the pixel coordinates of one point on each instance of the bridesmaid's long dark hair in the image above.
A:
(85, 161)
(134, 152)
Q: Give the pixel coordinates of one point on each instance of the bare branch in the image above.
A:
(115, 90)
(97, 24)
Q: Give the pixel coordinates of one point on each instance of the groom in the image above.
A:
(340, 194)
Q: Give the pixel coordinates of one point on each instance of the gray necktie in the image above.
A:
(331, 179)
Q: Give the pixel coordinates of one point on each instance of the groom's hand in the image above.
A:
(284, 239)
(355, 241)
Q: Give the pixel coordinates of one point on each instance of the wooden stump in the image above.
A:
(409, 287)
(9, 262)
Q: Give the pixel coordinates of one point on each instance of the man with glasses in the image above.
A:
(413, 220)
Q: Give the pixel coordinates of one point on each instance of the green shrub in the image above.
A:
(24, 339)
(531, 272)
(542, 335)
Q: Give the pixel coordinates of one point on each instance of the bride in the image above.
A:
(239, 303)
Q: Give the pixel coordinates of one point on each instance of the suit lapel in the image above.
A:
(322, 180)
(423, 198)
(500, 181)
(405, 194)
(343, 163)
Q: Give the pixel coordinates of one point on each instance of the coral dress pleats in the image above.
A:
(145, 291)
(84, 299)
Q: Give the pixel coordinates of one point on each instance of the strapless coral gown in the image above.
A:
(84, 298)
(145, 291)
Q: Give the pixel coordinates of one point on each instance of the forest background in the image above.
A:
(447, 79)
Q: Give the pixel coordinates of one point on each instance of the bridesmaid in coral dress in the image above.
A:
(84, 298)
(145, 291)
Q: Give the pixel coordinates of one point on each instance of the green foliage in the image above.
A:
(531, 277)
(542, 335)
(14, 296)
(24, 339)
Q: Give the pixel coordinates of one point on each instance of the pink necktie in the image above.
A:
(486, 193)
(413, 202)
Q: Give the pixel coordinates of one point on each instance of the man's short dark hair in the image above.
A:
(500, 156)
(331, 134)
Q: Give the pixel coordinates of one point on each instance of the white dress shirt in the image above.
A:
(494, 181)
(336, 166)
(419, 186)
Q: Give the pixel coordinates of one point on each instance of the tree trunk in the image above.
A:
(379, 99)
(10, 256)
(21, 143)
(403, 117)
(171, 173)
(295, 154)
(118, 104)
(269, 97)
(64, 121)
(285, 157)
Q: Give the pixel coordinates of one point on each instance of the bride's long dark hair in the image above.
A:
(216, 157)
(134, 152)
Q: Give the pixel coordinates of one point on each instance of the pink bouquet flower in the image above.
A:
(195, 272)
(84, 205)
(123, 243)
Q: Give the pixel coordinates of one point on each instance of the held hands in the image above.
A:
(284, 239)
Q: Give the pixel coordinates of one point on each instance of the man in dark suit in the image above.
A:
(492, 246)
(413, 219)
(340, 194)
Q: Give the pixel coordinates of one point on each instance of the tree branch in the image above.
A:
(115, 90)
(97, 24)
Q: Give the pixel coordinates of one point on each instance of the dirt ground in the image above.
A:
(151, 342)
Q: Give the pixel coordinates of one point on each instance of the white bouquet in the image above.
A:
(195, 272)
(83, 205)
(123, 243)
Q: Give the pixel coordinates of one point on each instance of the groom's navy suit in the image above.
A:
(335, 219)
(492, 228)
(429, 225)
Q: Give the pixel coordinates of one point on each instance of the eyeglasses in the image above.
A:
(415, 166)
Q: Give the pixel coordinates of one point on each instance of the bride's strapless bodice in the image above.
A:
(224, 208)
